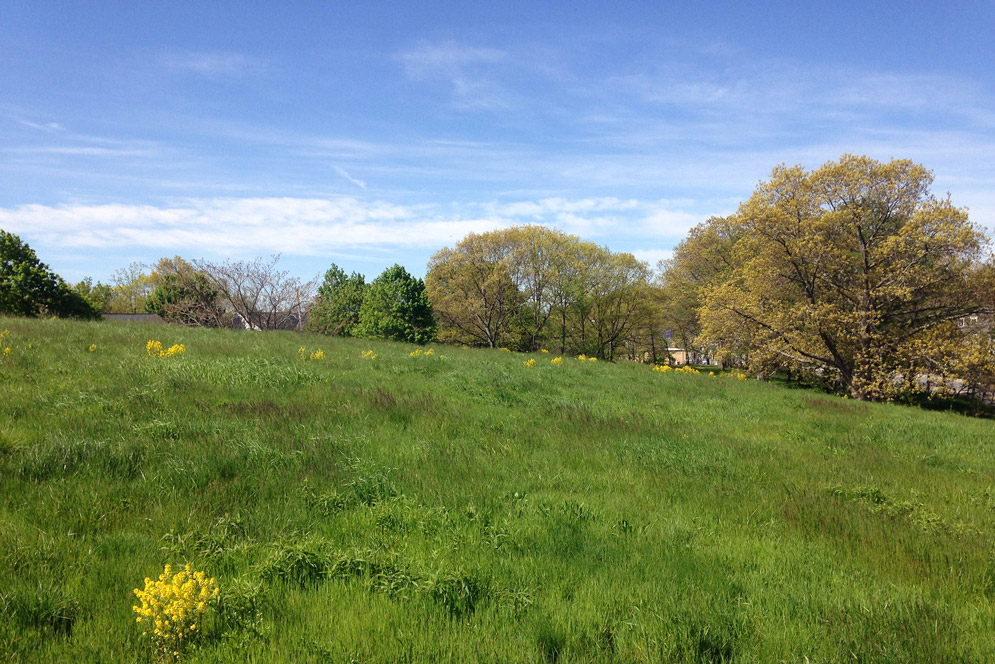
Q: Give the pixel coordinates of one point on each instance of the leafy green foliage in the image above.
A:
(183, 294)
(98, 295)
(335, 310)
(29, 288)
(396, 307)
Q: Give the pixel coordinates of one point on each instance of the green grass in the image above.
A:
(464, 508)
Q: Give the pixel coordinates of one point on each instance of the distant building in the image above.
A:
(135, 318)
(267, 320)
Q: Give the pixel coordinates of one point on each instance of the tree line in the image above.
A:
(853, 276)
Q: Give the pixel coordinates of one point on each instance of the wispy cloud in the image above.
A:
(468, 71)
(341, 171)
(307, 226)
(214, 64)
(49, 127)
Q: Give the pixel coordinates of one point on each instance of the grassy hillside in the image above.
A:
(463, 507)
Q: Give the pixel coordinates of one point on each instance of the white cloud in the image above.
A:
(468, 70)
(214, 64)
(341, 171)
(653, 256)
(315, 226)
(447, 59)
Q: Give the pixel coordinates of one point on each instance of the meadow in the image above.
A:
(362, 504)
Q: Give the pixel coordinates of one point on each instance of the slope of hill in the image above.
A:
(462, 506)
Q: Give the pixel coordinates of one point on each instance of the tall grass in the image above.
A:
(463, 507)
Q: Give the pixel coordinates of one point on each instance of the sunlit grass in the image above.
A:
(381, 505)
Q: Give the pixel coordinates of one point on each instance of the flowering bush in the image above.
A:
(531, 362)
(556, 361)
(154, 349)
(171, 608)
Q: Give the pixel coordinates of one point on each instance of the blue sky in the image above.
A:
(370, 133)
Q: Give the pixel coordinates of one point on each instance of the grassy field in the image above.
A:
(462, 507)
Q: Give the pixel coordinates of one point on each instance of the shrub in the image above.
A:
(173, 607)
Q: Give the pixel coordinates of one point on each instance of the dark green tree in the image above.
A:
(396, 307)
(99, 295)
(184, 294)
(336, 308)
(29, 288)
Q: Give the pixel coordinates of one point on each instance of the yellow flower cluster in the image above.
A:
(556, 361)
(316, 355)
(418, 352)
(664, 368)
(585, 358)
(368, 355)
(543, 351)
(6, 350)
(507, 350)
(92, 347)
(531, 362)
(172, 606)
(155, 349)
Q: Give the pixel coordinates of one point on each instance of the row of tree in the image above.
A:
(852, 275)
(531, 287)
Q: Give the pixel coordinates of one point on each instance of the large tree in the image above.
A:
(29, 288)
(471, 290)
(263, 296)
(843, 271)
(183, 294)
(396, 307)
(335, 310)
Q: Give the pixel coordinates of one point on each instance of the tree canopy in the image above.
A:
(850, 272)
(183, 294)
(29, 288)
(530, 287)
(336, 308)
(396, 307)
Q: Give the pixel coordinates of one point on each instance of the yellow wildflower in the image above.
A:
(154, 348)
(318, 355)
(368, 355)
(556, 361)
(529, 362)
(543, 351)
(415, 353)
(93, 347)
(172, 606)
